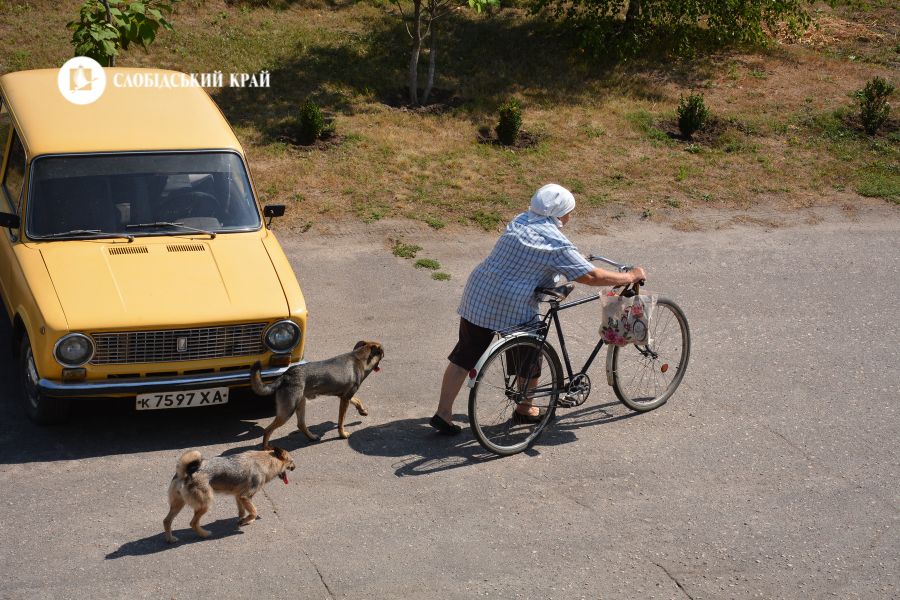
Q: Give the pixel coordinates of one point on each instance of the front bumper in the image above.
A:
(141, 385)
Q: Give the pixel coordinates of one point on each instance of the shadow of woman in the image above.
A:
(157, 542)
(419, 450)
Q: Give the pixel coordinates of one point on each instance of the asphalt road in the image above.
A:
(772, 473)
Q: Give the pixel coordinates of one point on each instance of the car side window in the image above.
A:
(15, 172)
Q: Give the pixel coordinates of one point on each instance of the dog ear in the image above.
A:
(279, 453)
(359, 345)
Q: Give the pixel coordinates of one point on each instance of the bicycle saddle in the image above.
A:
(558, 293)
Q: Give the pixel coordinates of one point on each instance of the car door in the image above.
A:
(12, 177)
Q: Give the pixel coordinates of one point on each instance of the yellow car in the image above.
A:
(134, 258)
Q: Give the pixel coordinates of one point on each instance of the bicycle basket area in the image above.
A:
(626, 320)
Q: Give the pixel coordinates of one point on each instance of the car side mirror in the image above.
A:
(12, 221)
(270, 211)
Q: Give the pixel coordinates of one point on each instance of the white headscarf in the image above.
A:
(553, 201)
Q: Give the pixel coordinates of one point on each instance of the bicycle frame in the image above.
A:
(553, 315)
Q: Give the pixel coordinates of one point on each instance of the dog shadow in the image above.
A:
(291, 438)
(157, 543)
(420, 450)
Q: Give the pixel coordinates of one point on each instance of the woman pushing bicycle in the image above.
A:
(499, 293)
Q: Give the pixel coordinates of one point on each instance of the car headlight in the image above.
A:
(74, 350)
(283, 336)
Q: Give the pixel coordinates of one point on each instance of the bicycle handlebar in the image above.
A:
(619, 266)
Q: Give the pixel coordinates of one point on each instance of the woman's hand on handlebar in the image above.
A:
(637, 274)
(602, 277)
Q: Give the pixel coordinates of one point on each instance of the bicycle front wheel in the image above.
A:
(645, 377)
(520, 373)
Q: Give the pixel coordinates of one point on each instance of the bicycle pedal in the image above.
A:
(566, 403)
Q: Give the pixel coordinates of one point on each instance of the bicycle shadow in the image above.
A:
(567, 421)
(419, 450)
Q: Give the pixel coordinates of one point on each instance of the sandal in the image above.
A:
(443, 427)
(522, 419)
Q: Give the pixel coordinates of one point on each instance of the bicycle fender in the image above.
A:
(473, 374)
(609, 366)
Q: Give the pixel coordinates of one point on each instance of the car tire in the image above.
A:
(41, 409)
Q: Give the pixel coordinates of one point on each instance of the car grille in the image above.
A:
(170, 345)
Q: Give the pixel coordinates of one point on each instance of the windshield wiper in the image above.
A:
(96, 233)
(211, 234)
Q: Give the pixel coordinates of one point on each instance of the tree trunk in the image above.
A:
(634, 12)
(416, 50)
(432, 48)
(112, 59)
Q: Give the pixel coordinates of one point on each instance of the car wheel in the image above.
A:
(39, 408)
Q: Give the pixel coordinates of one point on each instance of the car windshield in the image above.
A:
(139, 194)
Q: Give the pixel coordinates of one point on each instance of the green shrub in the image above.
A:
(510, 122)
(873, 105)
(440, 276)
(692, 115)
(310, 123)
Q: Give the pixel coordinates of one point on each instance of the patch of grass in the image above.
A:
(880, 180)
(428, 263)
(371, 214)
(424, 165)
(575, 186)
(440, 276)
(487, 220)
(594, 132)
(644, 122)
(598, 199)
(434, 222)
(673, 202)
(403, 250)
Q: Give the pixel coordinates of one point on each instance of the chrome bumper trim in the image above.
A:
(141, 385)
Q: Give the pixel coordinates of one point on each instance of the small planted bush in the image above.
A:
(873, 105)
(310, 123)
(510, 122)
(692, 115)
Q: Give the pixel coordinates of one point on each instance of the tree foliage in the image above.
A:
(627, 26)
(106, 26)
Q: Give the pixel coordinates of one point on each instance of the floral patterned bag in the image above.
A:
(626, 320)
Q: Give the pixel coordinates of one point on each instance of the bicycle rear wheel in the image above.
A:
(520, 371)
(645, 377)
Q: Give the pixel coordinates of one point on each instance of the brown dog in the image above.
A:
(196, 478)
(340, 376)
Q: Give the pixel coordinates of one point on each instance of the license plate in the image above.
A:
(186, 399)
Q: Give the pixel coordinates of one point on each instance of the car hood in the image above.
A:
(154, 283)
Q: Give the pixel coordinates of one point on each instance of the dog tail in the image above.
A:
(260, 387)
(188, 464)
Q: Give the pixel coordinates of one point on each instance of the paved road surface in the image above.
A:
(771, 474)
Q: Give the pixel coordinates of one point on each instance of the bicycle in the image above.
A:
(522, 368)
